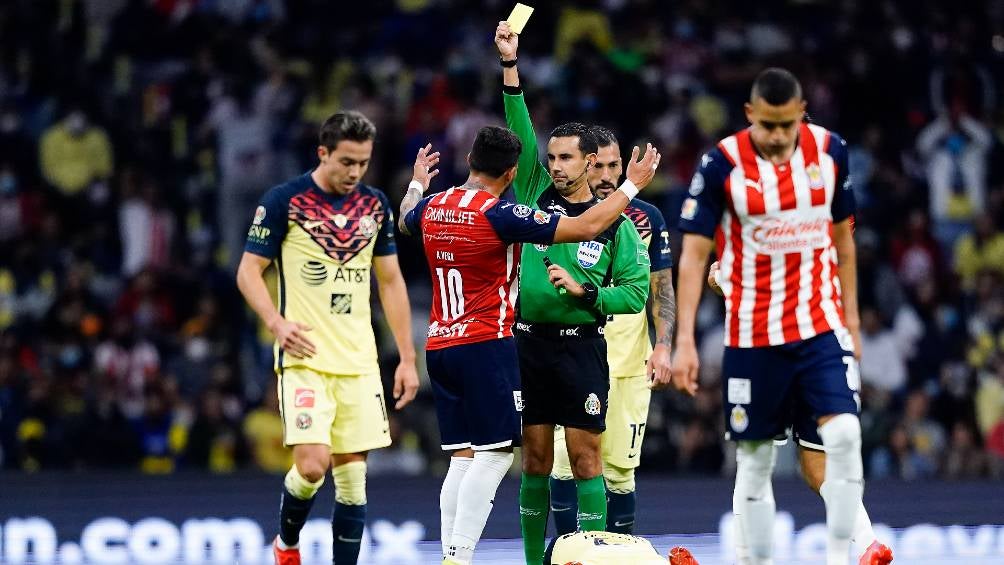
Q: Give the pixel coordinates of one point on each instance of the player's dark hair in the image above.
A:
(604, 137)
(495, 151)
(776, 86)
(587, 142)
(347, 125)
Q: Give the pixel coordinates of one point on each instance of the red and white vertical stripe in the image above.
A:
(774, 297)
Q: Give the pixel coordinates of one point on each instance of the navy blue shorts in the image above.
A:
(478, 398)
(769, 390)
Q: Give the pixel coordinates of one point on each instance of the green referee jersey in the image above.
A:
(617, 261)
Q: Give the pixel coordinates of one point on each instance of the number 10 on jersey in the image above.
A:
(451, 293)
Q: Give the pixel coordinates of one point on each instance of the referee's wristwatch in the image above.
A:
(592, 293)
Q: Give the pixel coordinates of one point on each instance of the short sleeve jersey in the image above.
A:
(323, 246)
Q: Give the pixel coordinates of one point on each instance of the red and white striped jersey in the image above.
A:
(772, 226)
(472, 247)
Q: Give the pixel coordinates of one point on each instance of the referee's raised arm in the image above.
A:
(532, 178)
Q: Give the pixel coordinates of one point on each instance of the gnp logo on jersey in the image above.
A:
(259, 215)
(303, 398)
(739, 420)
(593, 404)
(341, 303)
(589, 253)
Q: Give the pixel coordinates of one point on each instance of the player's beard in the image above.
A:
(604, 189)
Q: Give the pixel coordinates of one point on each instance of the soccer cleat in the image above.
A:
(289, 556)
(681, 556)
(876, 554)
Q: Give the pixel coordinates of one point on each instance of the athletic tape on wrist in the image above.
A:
(416, 185)
(629, 189)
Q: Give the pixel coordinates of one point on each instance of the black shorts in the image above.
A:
(564, 375)
(476, 387)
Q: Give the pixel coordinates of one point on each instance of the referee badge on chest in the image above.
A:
(593, 404)
(739, 420)
(589, 253)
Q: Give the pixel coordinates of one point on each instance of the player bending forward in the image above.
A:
(777, 199)
(471, 242)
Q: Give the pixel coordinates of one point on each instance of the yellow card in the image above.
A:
(518, 18)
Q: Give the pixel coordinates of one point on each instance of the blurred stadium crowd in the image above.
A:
(137, 135)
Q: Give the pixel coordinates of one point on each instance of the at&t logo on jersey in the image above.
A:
(589, 253)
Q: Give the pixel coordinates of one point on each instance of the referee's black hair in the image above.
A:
(346, 125)
(495, 151)
(776, 86)
(587, 141)
(604, 137)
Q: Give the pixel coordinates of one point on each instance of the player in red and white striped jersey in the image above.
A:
(471, 240)
(776, 198)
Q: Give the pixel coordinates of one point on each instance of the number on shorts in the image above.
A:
(451, 293)
(853, 374)
(383, 407)
(636, 431)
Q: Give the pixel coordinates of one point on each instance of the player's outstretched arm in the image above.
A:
(290, 335)
(592, 223)
(693, 259)
(424, 171)
(531, 177)
(394, 299)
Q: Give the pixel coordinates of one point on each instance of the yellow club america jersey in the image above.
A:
(323, 246)
(603, 548)
(628, 343)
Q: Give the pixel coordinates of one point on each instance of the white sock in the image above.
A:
(843, 485)
(864, 534)
(475, 500)
(448, 498)
(742, 548)
(754, 500)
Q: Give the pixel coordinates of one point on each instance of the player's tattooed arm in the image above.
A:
(408, 203)
(663, 306)
(425, 170)
(659, 366)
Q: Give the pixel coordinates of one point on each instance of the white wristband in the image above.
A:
(416, 185)
(629, 189)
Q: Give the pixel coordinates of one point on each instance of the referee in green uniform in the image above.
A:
(566, 293)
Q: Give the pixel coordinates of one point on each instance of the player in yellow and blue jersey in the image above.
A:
(325, 231)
